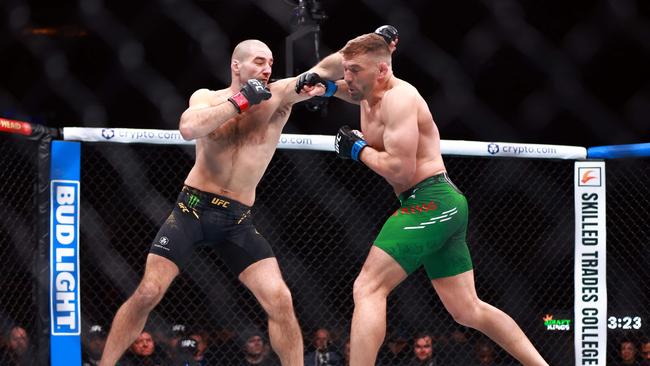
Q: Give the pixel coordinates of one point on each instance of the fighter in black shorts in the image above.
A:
(201, 218)
(236, 131)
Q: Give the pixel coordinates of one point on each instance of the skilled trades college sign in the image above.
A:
(590, 304)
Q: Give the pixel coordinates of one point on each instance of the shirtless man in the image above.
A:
(236, 130)
(401, 142)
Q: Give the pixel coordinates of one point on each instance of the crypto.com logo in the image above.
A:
(493, 148)
(108, 133)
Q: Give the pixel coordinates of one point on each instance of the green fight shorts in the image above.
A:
(429, 229)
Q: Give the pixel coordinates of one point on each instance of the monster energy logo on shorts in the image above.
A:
(193, 201)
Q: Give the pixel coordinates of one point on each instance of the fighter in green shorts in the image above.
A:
(400, 141)
(429, 229)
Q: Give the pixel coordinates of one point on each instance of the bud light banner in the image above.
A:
(65, 325)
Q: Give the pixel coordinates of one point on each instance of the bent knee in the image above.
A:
(365, 287)
(148, 294)
(466, 314)
(464, 318)
(279, 300)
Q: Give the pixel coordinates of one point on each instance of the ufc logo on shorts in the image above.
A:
(220, 202)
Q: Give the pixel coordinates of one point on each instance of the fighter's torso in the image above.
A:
(428, 158)
(231, 160)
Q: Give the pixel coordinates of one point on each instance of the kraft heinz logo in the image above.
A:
(589, 177)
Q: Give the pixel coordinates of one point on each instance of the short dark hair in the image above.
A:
(369, 43)
(420, 335)
(247, 335)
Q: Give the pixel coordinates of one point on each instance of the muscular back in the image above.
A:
(425, 135)
(231, 160)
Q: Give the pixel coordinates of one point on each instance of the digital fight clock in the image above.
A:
(624, 322)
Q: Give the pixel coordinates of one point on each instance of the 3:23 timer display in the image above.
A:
(624, 322)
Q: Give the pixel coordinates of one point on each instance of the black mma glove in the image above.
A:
(349, 143)
(311, 79)
(253, 92)
(388, 32)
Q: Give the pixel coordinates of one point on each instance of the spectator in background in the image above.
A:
(627, 353)
(185, 354)
(645, 352)
(323, 354)
(484, 354)
(145, 352)
(167, 337)
(162, 334)
(257, 352)
(423, 351)
(176, 333)
(396, 351)
(202, 356)
(18, 348)
(93, 345)
(459, 350)
(225, 348)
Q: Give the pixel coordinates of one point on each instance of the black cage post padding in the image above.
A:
(42, 257)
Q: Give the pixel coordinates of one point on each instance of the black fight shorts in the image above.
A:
(205, 219)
